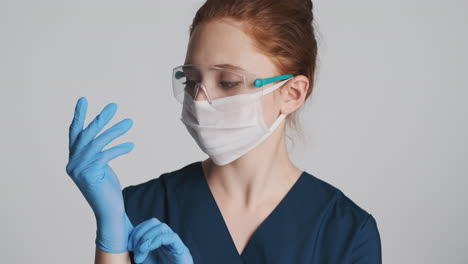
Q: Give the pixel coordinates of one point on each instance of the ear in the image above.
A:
(293, 93)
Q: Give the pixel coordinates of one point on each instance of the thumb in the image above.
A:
(139, 257)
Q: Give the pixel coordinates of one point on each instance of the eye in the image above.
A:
(229, 85)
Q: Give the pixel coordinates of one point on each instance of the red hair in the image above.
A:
(281, 29)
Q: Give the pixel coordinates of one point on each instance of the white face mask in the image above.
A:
(230, 126)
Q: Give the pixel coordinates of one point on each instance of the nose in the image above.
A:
(201, 93)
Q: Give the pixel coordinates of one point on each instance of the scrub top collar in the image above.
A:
(204, 220)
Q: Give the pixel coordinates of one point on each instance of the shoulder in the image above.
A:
(167, 180)
(347, 224)
(154, 197)
(335, 203)
(365, 243)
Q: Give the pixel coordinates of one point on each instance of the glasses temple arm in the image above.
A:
(260, 82)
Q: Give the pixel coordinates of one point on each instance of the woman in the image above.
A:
(249, 67)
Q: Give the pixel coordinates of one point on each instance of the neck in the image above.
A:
(256, 177)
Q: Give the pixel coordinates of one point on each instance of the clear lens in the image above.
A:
(203, 82)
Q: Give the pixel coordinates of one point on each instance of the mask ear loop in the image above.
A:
(281, 116)
(275, 86)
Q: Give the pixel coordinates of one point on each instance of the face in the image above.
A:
(224, 42)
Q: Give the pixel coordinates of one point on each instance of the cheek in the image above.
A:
(270, 108)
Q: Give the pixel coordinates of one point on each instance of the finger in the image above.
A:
(109, 154)
(101, 120)
(143, 247)
(138, 232)
(169, 239)
(112, 133)
(140, 257)
(77, 123)
(150, 235)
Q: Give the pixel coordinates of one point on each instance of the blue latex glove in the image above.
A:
(153, 234)
(87, 167)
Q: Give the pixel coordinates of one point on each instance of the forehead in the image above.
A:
(224, 42)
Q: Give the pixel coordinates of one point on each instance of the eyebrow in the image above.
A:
(226, 66)
(230, 66)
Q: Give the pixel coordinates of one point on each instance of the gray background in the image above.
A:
(386, 122)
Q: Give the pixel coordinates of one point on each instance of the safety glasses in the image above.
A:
(207, 82)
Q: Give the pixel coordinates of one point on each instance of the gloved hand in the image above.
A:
(87, 167)
(153, 234)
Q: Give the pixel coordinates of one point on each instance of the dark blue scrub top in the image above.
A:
(314, 223)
